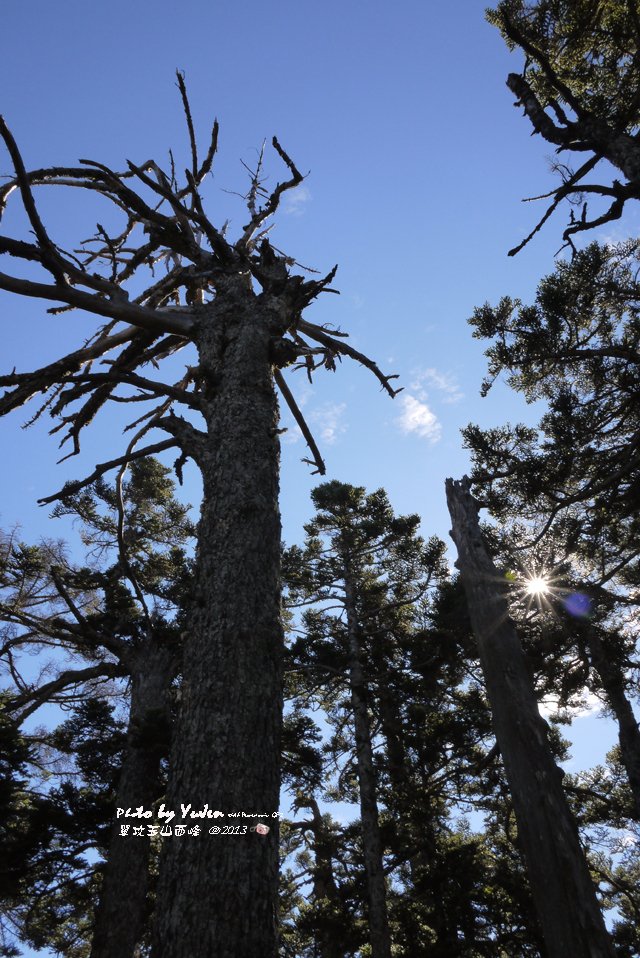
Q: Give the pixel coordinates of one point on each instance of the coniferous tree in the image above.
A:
(447, 891)
(51, 853)
(362, 540)
(578, 89)
(123, 613)
(325, 919)
(575, 480)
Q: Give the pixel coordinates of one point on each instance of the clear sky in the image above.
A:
(417, 165)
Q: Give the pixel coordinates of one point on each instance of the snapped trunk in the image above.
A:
(562, 889)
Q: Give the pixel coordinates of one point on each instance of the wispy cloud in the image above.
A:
(330, 418)
(295, 201)
(292, 435)
(417, 418)
(444, 383)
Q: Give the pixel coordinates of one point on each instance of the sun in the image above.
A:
(537, 586)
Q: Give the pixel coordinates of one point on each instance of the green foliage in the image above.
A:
(60, 791)
(576, 348)
(566, 494)
(450, 891)
(48, 884)
(583, 53)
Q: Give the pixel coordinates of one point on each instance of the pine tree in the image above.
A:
(448, 891)
(124, 613)
(578, 89)
(575, 480)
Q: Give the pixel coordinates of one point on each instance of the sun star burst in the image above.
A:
(537, 585)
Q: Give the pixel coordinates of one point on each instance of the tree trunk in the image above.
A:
(331, 917)
(122, 911)
(372, 846)
(562, 889)
(391, 727)
(217, 895)
(628, 731)
(417, 839)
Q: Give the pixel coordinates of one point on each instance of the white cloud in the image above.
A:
(416, 417)
(443, 382)
(296, 200)
(592, 706)
(292, 435)
(330, 418)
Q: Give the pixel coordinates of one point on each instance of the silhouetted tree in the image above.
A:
(560, 882)
(579, 90)
(574, 482)
(241, 307)
(136, 532)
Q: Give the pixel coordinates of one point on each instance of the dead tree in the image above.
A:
(562, 889)
(241, 305)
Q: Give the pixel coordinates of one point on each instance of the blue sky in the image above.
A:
(417, 163)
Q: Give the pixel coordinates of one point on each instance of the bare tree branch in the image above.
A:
(70, 488)
(341, 348)
(153, 320)
(35, 697)
(299, 418)
(187, 112)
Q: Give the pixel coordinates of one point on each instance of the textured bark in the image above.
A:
(217, 894)
(560, 882)
(622, 152)
(372, 846)
(123, 909)
(628, 732)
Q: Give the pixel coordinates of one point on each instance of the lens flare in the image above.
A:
(578, 604)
